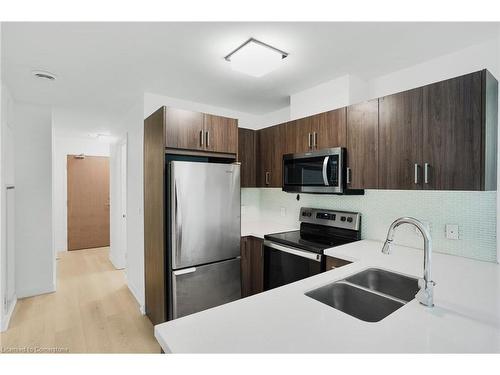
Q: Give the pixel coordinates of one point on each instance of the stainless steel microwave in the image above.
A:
(321, 171)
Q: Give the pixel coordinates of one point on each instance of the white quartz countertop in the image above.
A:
(466, 316)
(258, 228)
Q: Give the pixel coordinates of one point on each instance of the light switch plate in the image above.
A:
(452, 231)
(283, 211)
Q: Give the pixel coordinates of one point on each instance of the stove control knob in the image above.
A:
(349, 219)
(342, 218)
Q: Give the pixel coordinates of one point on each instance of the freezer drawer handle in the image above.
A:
(184, 271)
(300, 253)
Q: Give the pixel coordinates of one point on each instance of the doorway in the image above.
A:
(88, 201)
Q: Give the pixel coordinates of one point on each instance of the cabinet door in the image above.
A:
(329, 129)
(270, 143)
(362, 145)
(452, 133)
(303, 135)
(256, 265)
(183, 129)
(400, 140)
(247, 153)
(246, 282)
(221, 134)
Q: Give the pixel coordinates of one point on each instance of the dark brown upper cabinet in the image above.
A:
(362, 145)
(184, 129)
(323, 130)
(400, 141)
(247, 156)
(270, 155)
(459, 133)
(330, 130)
(195, 131)
(221, 134)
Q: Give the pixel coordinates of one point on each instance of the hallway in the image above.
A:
(92, 311)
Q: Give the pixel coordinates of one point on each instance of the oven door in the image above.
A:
(284, 265)
(314, 172)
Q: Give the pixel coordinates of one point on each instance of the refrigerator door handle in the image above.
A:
(177, 226)
(184, 271)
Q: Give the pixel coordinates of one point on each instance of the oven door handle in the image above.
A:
(289, 250)
(325, 167)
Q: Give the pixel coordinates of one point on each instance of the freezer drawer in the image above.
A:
(199, 288)
(205, 207)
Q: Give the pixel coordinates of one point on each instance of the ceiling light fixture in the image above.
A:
(255, 58)
(42, 74)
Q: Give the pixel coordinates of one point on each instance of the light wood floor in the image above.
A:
(92, 311)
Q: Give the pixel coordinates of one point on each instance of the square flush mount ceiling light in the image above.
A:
(255, 58)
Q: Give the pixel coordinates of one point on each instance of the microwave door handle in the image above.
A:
(325, 167)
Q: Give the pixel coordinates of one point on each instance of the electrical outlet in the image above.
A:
(282, 211)
(452, 231)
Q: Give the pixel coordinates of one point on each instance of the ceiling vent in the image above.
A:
(42, 74)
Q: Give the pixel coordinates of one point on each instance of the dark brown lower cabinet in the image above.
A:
(252, 266)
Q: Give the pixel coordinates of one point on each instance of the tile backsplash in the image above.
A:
(474, 212)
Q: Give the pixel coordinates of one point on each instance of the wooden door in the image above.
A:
(400, 140)
(221, 134)
(183, 129)
(270, 143)
(452, 128)
(362, 145)
(88, 202)
(329, 129)
(247, 154)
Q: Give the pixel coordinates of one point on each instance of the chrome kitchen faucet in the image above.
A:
(426, 293)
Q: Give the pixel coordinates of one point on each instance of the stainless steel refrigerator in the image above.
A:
(204, 236)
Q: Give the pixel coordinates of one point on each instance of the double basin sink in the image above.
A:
(369, 295)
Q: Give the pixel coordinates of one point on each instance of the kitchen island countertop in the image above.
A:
(466, 316)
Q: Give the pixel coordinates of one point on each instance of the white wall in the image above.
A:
(63, 146)
(118, 244)
(33, 224)
(337, 93)
(477, 57)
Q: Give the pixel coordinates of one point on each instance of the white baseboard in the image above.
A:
(118, 264)
(35, 291)
(6, 319)
(133, 290)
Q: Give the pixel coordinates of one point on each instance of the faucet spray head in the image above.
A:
(386, 249)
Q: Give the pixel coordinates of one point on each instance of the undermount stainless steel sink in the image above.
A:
(386, 282)
(357, 302)
(370, 295)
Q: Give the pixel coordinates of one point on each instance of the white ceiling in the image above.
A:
(107, 66)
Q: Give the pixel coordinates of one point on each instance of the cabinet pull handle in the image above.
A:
(201, 138)
(208, 138)
(315, 138)
(309, 138)
(416, 173)
(348, 179)
(426, 173)
(267, 178)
